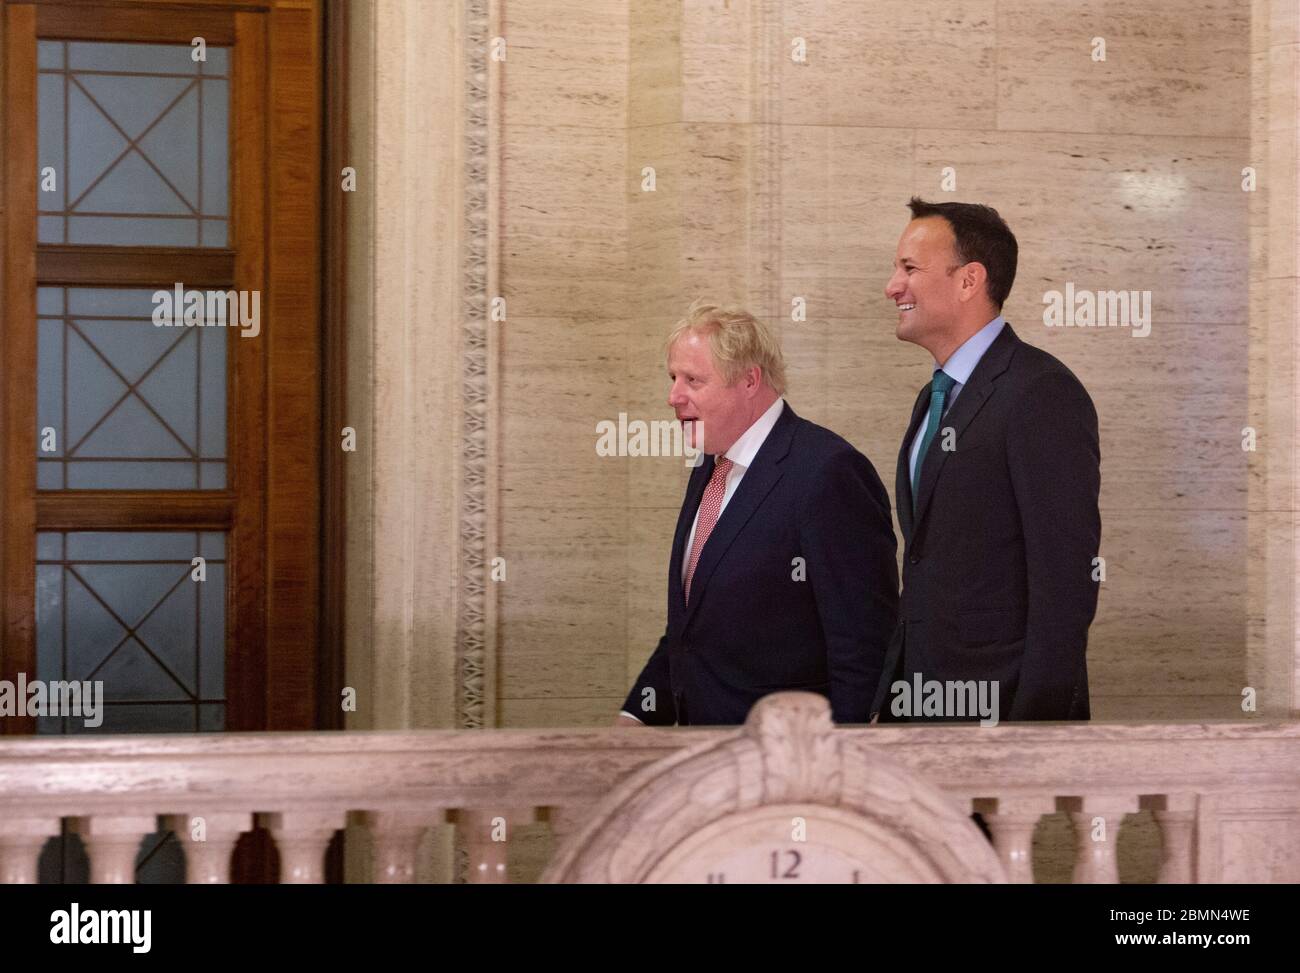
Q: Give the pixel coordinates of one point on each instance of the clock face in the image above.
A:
(792, 843)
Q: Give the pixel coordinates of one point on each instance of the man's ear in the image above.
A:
(974, 275)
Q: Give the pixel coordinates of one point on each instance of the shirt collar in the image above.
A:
(963, 361)
(744, 449)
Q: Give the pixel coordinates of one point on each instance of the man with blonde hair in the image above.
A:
(782, 574)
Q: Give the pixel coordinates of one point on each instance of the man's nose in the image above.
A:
(675, 395)
(892, 288)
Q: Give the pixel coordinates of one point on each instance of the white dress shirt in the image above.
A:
(741, 454)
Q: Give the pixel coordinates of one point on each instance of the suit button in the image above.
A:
(914, 559)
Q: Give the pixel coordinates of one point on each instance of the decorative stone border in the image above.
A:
(473, 642)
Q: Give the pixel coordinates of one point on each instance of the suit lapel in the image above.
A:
(903, 474)
(758, 481)
(694, 490)
(974, 394)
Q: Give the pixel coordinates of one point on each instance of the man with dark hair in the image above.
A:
(997, 486)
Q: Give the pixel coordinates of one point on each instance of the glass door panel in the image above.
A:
(137, 137)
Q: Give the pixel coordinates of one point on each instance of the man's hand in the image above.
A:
(624, 720)
(875, 717)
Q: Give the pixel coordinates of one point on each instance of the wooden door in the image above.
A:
(162, 464)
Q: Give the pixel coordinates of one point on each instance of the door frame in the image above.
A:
(283, 597)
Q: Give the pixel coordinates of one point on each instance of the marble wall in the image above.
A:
(777, 179)
(564, 521)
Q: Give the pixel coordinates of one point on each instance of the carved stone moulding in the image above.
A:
(474, 638)
(786, 798)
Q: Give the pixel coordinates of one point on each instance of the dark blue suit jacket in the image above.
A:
(759, 620)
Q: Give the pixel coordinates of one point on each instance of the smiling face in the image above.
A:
(925, 284)
(713, 414)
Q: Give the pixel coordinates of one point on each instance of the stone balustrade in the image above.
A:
(1225, 796)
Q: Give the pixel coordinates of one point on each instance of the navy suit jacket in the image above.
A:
(998, 558)
(796, 588)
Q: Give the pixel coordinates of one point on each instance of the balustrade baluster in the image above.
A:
(21, 841)
(302, 837)
(1012, 821)
(113, 843)
(208, 840)
(486, 835)
(396, 839)
(1096, 832)
(1175, 816)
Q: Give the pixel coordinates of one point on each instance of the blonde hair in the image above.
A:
(738, 341)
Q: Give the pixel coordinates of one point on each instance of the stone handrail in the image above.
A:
(1225, 795)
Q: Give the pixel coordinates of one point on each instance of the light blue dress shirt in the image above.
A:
(958, 367)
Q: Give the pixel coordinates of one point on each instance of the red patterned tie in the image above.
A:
(710, 508)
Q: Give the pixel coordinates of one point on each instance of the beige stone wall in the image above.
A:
(1115, 174)
(775, 180)
(1274, 318)
(564, 231)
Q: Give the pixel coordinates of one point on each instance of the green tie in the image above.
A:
(940, 386)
